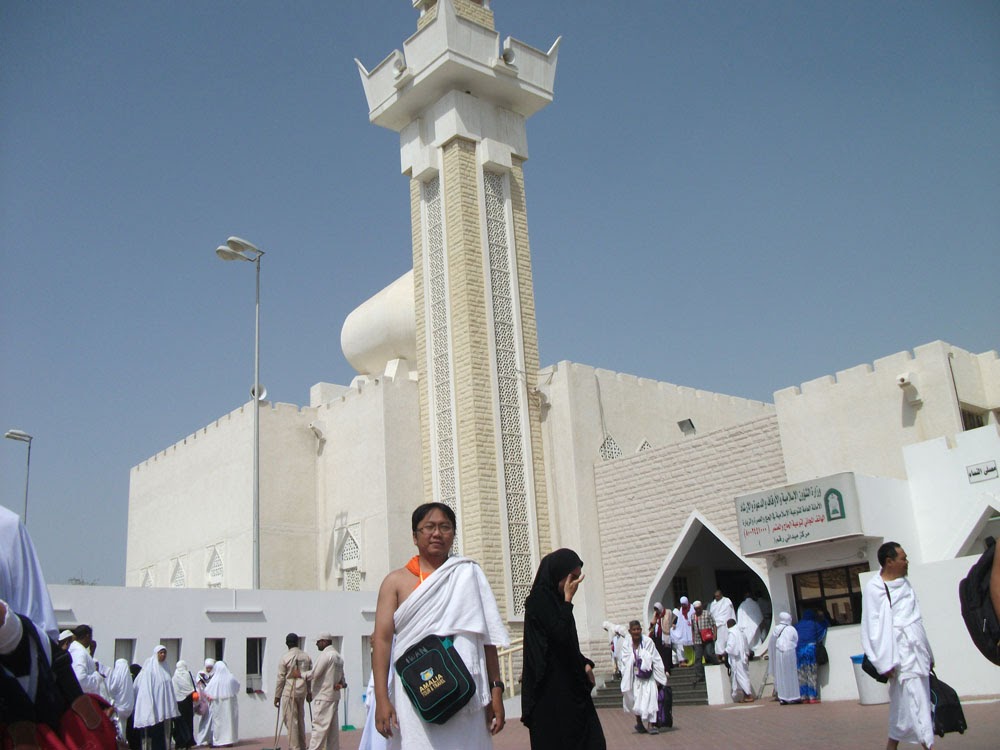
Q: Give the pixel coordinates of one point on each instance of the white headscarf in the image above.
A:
(223, 684)
(154, 693)
(788, 638)
(183, 684)
(121, 689)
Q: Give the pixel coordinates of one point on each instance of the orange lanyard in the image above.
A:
(414, 567)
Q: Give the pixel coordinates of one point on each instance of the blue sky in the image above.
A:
(733, 196)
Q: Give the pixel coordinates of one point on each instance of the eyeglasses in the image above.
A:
(430, 528)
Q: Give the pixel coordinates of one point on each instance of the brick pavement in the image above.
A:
(836, 725)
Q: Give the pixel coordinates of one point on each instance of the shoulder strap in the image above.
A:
(887, 596)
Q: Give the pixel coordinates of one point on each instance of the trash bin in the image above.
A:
(870, 692)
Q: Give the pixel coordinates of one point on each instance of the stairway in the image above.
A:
(686, 693)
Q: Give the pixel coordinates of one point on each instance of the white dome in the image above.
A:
(382, 328)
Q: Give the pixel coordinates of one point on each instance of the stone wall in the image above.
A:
(644, 501)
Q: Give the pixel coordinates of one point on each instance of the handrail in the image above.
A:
(506, 657)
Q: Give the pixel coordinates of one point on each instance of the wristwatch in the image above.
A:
(498, 684)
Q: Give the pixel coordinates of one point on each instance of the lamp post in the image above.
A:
(23, 437)
(237, 249)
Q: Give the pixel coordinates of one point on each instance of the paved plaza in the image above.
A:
(839, 725)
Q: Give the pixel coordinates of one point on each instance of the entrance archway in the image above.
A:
(702, 560)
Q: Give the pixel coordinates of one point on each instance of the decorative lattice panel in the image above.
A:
(216, 570)
(178, 579)
(442, 406)
(644, 447)
(610, 449)
(510, 391)
(350, 552)
(352, 580)
(147, 579)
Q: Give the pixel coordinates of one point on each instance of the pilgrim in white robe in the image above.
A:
(85, 669)
(684, 640)
(455, 599)
(203, 722)
(893, 637)
(749, 619)
(223, 695)
(122, 692)
(617, 635)
(722, 611)
(22, 584)
(782, 662)
(739, 662)
(154, 700)
(642, 670)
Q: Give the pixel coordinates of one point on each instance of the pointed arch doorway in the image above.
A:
(702, 560)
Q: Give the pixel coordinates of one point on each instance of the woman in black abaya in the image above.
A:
(555, 700)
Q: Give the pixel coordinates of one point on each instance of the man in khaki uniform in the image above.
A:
(292, 690)
(326, 678)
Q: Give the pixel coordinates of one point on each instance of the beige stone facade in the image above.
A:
(645, 503)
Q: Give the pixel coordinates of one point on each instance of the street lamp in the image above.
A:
(23, 437)
(237, 249)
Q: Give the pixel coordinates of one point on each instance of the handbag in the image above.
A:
(821, 656)
(707, 636)
(435, 678)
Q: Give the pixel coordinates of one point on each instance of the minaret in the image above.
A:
(459, 101)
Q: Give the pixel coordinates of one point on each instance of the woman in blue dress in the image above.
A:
(812, 632)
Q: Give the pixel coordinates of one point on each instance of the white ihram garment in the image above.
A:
(638, 693)
(455, 600)
(739, 661)
(749, 619)
(893, 637)
(722, 611)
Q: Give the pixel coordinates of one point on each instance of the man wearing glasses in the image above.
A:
(434, 594)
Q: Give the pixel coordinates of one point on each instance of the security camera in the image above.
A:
(904, 380)
(318, 430)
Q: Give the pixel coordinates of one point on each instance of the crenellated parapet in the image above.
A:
(223, 423)
(977, 376)
(860, 418)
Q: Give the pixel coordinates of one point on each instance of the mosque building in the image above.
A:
(664, 490)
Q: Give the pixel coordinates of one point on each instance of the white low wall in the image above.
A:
(191, 615)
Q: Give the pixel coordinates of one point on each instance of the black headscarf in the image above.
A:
(554, 567)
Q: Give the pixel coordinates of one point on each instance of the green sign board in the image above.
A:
(802, 513)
